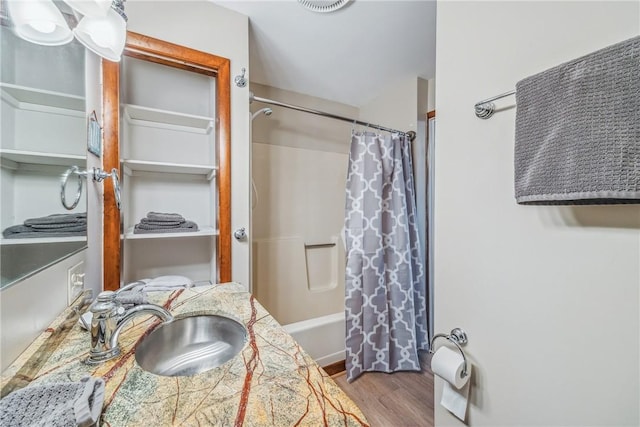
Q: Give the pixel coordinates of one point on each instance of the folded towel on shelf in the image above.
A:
(60, 404)
(161, 223)
(57, 219)
(165, 217)
(578, 130)
(187, 226)
(56, 225)
(24, 232)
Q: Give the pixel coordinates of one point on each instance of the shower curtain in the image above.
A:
(385, 305)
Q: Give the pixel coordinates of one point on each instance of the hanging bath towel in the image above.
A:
(385, 304)
(578, 130)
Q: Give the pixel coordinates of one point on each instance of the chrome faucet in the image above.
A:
(109, 318)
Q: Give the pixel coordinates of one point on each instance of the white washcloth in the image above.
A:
(164, 283)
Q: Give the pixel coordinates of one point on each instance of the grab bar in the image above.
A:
(319, 245)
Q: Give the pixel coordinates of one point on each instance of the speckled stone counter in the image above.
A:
(271, 382)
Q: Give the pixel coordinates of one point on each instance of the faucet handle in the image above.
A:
(105, 303)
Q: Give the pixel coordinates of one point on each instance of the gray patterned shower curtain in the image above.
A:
(386, 296)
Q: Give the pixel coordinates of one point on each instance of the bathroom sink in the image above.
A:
(191, 345)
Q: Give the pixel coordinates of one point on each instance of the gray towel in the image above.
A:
(54, 405)
(161, 223)
(578, 130)
(56, 225)
(23, 232)
(132, 297)
(165, 217)
(57, 219)
(188, 226)
(146, 226)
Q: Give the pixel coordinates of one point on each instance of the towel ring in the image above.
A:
(98, 176)
(457, 337)
(73, 170)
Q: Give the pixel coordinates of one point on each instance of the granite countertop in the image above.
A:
(273, 381)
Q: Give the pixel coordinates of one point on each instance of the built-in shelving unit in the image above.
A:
(168, 162)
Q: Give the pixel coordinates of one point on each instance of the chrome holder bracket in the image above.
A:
(97, 174)
(241, 80)
(457, 337)
(485, 110)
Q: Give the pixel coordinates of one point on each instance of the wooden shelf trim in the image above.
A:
(161, 52)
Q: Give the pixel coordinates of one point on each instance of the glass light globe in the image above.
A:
(104, 36)
(39, 21)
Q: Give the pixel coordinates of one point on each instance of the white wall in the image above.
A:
(399, 106)
(28, 307)
(205, 26)
(549, 296)
(94, 190)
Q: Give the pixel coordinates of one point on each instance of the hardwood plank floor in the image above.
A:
(401, 399)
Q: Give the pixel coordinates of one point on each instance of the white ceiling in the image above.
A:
(348, 56)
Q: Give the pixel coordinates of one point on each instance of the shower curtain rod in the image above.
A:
(410, 134)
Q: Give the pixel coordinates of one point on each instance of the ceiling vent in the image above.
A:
(323, 6)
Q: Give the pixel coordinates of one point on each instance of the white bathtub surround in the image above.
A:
(322, 337)
(299, 167)
(386, 309)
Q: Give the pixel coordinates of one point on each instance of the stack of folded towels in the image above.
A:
(158, 222)
(56, 225)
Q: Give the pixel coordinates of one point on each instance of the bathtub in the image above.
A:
(322, 337)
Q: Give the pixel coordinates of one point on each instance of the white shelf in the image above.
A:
(164, 167)
(27, 98)
(203, 231)
(40, 240)
(145, 116)
(41, 158)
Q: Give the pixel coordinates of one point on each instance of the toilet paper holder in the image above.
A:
(457, 337)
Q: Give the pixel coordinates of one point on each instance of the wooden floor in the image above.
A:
(401, 399)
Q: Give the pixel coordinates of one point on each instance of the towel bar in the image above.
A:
(319, 245)
(485, 108)
(457, 337)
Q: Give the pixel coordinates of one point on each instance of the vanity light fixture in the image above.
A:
(40, 22)
(102, 28)
(104, 35)
(323, 6)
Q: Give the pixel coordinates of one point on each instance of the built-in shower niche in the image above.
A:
(295, 283)
(322, 265)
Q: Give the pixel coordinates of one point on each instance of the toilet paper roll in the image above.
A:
(448, 365)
